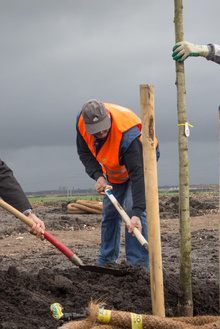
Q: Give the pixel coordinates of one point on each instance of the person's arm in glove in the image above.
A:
(184, 49)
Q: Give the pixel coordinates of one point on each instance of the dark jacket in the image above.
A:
(10, 190)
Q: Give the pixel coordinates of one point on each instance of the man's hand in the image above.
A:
(184, 49)
(101, 185)
(38, 227)
(135, 222)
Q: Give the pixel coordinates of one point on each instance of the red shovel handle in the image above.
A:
(59, 245)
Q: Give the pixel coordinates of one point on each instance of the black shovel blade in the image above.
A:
(103, 270)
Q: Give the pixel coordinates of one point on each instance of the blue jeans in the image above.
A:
(111, 230)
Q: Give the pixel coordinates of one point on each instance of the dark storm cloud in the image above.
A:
(56, 55)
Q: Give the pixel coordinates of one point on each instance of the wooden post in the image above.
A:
(152, 202)
(219, 206)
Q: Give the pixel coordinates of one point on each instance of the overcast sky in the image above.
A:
(57, 54)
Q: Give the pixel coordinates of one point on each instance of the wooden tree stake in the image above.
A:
(152, 202)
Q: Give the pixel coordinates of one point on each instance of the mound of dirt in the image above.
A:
(169, 207)
(34, 274)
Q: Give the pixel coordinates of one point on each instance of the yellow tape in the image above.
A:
(136, 321)
(183, 124)
(104, 316)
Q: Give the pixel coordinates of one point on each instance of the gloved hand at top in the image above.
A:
(184, 49)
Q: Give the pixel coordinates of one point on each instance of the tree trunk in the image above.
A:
(185, 305)
(219, 205)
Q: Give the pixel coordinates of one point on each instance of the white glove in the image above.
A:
(184, 49)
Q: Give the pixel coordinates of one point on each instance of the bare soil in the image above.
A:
(34, 274)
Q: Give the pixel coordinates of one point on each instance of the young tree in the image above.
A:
(219, 205)
(185, 305)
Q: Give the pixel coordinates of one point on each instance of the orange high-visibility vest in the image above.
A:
(122, 120)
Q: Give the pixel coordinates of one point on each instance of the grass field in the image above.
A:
(66, 199)
(169, 192)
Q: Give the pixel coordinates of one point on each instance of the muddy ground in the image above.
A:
(34, 274)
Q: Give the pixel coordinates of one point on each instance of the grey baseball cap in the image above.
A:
(95, 116)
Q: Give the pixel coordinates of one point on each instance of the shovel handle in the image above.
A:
(29, 222)
(127, 219)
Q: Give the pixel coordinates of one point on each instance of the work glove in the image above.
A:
(184, 49)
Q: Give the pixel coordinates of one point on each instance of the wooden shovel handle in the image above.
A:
(29, 222)
(127, 219)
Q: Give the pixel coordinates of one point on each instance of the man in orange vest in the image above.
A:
(109, 146)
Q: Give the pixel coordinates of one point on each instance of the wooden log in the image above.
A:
(90, 204)
(71, 205)
(76, 211)
(86, 208)
(72, 209)
(90, 201)
(89, 209)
